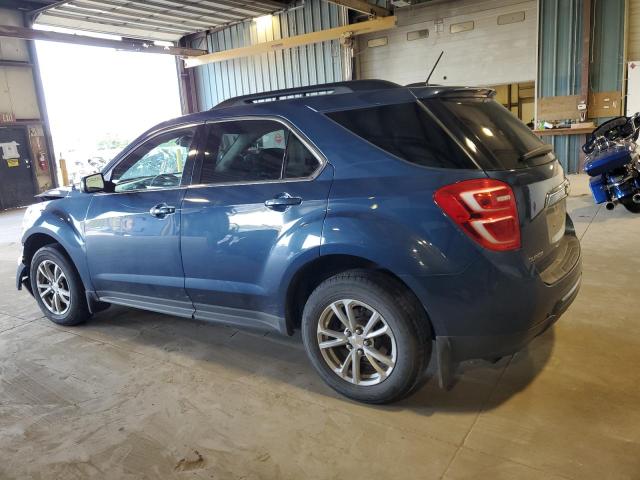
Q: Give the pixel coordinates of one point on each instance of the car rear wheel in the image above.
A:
(366, 337)
(57, 287)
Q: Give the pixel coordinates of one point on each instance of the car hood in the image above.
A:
(54, 193)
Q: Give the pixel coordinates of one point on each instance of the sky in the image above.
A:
(95, 93)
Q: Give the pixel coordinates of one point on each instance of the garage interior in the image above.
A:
(135, 394)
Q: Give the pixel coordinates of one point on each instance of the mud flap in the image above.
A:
(446, 365)
(93, 302)
(22, 278)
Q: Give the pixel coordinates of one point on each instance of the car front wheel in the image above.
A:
(57, 287)
(366, 337)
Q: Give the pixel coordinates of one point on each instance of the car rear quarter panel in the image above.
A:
(381, 209)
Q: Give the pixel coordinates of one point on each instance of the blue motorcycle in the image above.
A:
(612, 163)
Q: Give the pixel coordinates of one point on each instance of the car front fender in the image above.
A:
(62, 221)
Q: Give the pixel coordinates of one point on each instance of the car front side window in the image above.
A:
(158, 163)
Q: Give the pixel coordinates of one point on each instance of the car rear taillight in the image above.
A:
(485, 209)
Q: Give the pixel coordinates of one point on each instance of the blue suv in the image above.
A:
(380, 220)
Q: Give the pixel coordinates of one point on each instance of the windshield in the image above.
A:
(508, 143)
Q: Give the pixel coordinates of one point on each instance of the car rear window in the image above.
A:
(407, 131)
(507, 140)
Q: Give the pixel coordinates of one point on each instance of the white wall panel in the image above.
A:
(490, 54)
(12, 48)
(18, 93)
(17, 88)
(633, 85)
(634, 30)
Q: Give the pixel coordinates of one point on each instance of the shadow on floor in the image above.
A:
(281, 359)
(477, 380)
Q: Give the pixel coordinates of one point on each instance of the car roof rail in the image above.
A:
(301, 92)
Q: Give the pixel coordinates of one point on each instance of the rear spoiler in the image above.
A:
(431, 91)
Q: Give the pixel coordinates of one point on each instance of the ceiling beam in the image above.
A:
(93, 15)
(125, 45)
(363, 6)
(38, 11)
(152, 10)
(107, 10)
(21, 5)
(295, 41)
(193, 8)
(249, 7)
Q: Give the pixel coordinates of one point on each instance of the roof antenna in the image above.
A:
(434, 67)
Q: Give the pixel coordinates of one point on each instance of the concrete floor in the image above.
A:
(139, 395)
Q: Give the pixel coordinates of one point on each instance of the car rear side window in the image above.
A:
(299, 161)
(252, 151)
(510, 143)
(407, 131)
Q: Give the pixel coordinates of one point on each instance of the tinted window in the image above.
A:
(406, 131)
(495, 128)
(251, 151)
(158, 163)
(300, 162)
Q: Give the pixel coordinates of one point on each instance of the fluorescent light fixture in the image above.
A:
(264, 22)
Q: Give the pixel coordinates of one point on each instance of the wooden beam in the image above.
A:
(295, 41)
(363, 6)
(126, 45)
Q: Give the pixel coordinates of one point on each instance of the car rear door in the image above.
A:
(133, 233)
(258, 208)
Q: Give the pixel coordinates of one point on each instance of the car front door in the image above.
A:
(132, 233)
(258, 207)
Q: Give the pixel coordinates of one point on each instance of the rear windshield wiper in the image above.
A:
(536, 152)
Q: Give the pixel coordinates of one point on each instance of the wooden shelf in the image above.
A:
(565, 131)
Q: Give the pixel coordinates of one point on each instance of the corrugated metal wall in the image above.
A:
(634, 30)
(607, 51)
(559, 66)
(560, 58)
(295, 67)
(560, 48)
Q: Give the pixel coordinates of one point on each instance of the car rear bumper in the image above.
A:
(498, 345)
(493, 309)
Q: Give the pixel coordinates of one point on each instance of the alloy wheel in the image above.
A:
(53, 287)
(356, 342)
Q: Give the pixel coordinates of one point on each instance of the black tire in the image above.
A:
(630, 205)
(77, 311)
(399, 309)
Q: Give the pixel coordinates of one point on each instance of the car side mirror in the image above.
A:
(92, 183)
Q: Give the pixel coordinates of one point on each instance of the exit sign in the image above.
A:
(7, 117)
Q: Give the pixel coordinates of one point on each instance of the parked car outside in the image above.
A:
(379, 220)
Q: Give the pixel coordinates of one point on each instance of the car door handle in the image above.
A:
(281, 201)
(162, 210)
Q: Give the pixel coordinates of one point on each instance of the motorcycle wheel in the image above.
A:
(630, 205)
